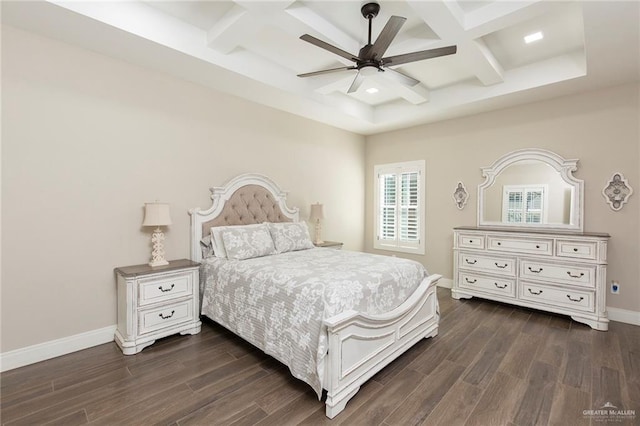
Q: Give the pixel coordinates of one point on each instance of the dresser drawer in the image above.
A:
(168, 287)
(493, 285)
(521, 245)
(577, 249)
(491, 264)
(583, 276)
(165, 316)
(577, 300)
(471, 241)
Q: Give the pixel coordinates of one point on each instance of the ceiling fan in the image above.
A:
(371, 55)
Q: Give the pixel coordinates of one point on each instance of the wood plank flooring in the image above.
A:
(491, 364)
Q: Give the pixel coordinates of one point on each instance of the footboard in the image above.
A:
(361, 345)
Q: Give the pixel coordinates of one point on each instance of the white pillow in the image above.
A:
(243, 242)
(290, 236)
(216, 238)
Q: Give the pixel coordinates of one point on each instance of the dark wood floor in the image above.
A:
(491, 364)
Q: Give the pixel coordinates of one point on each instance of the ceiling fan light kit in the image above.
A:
(370, 57)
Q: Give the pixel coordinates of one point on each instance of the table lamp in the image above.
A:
(317, 214)
(157, 214)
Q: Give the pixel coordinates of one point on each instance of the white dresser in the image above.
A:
(563, 273)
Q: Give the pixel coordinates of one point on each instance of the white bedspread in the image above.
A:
(278, 302)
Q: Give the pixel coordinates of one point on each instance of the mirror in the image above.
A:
(531, 188)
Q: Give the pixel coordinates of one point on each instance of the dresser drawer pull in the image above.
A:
(575, 276)
(575, 300)
(164, 290)
(534, 293)
(168, 316)
(502, 286)
(537, 246)
(471, 263)
(535, 271)
(575, 249)
(499, 243)
(501, 267)
(470, 241)
(470, 281)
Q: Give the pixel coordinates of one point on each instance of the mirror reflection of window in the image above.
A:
(524, 204)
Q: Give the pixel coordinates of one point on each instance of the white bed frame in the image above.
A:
(359, 345)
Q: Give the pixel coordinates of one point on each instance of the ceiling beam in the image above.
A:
(446, 19)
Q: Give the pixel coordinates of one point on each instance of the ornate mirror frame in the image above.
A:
(564, 167)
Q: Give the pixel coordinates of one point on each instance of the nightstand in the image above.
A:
(330, 244)
(156, 302)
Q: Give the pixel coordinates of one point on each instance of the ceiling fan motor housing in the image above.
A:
(370, 10)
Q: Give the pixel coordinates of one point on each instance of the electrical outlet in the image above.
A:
(615, 287)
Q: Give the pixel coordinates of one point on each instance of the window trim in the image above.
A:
(407, 166)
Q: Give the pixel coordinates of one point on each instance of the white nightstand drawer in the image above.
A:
(577, 249)
(573, 299)
(583, 276)
(471, 241)
(168, 287)
(491, 264)
(502, 286)
(165, 316)
(521, 245)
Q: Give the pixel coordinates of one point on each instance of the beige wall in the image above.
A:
(600, 128)
(86, 140)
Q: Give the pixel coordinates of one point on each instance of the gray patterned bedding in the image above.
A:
(278, 302)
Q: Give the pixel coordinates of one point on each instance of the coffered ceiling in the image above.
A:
(252, 49)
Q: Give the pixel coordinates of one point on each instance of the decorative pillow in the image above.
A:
(206, 246)
(246, 243)
(290, 236)
(216, 238)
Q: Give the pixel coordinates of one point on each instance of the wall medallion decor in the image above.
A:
(460, 195)
(617, 191)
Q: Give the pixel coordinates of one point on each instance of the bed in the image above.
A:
(334, 317)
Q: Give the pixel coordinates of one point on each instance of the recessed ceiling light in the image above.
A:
(533, 37)
(372, 90)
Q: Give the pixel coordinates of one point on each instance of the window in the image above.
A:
(399, 207)
(524, 204)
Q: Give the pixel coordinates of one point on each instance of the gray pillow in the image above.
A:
(248, 242)
(290, 236)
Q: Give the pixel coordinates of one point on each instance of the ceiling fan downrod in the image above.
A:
(370, 11)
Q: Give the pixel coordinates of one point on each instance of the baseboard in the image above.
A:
(624, 315)
(445, 283)
(54, 348)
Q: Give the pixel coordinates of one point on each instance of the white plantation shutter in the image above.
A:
(524, 204)
(399, 207)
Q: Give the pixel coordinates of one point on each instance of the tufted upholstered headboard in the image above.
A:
(244, 200)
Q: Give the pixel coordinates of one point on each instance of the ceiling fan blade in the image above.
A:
(357, 82)
(310, 74)
(388, 33)
(326, 46)
(418, 56)
(400, 77)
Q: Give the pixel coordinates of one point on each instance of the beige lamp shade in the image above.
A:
(317, 211)
(156, 214)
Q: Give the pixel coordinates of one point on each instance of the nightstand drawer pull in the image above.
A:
(534, 293)
(575, 276)
(501, 266)
(535, 271)
(470, 281)
(575, 300)
(471, 263)
(168, 316)
(502, 286)
(164, 290)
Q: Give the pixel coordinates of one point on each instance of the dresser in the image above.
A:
(155, 302)
(563, 273)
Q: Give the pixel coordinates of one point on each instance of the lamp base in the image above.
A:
(318, 236)
(157, 255)
(155, 263)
